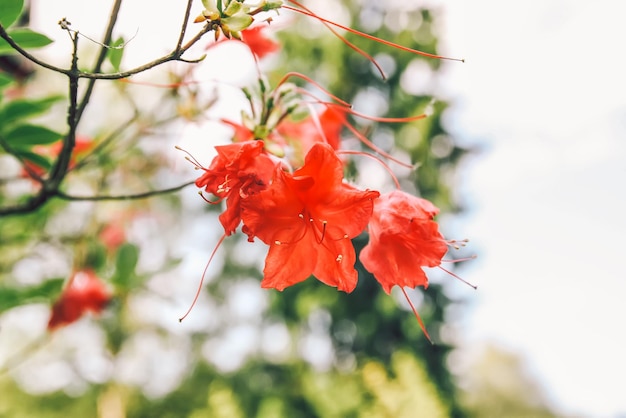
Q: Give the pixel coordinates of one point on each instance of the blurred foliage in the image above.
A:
(497, 385)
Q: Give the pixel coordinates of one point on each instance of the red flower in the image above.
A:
(84, 293)
(325, 128)
(301, 135)
(82, 146)
(113, 234)
(308, 218)
(238, 171)
(259, 44)
(403, 238)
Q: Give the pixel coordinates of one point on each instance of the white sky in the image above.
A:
(544, 89)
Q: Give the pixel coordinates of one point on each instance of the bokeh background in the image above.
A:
(524, 152)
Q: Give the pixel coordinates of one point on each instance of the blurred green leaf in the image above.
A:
(25, 136)
(37, 159)
(16, 110)
(25, 38)
(116, 52)
(45, 292)
(127, 257)
(10, 11)
(5, 80)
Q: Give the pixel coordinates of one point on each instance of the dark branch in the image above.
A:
(101, 57)
(137, 196)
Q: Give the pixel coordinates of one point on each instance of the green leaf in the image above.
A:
(10, 11)
(116, 52)
(25, 136)
(25, 38)
(5, 80)
(44, 292)
(16, 110)
(127, 257)
(38, 160)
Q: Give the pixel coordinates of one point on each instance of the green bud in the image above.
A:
(237, 22)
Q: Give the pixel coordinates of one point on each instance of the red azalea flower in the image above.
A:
(238, 171)
(112, 235)
(308, 218)
(241, 133)
(403, 238)
(259, 44)
(325, 128)
(82, 145)
(84, 293)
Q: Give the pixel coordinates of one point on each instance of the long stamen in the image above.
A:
(459, 278)
(190, 158)
(304, 231)
(370, 37)
(195, 299)
(377, 118)
(385, 166)
(417, 315)
(457, 244)
(324, 223)
(208, 200)
(316, 84)
(458, 260)
(328, 24)
(375, 148)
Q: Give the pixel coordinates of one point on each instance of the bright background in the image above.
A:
(543, 95)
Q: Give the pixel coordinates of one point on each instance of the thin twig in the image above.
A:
(145, 195)
(100, 60)
(183, 28)
(4, 35)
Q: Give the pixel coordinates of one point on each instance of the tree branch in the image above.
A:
(4, 35)
(183, 28)
(100, 60)
(137, 196)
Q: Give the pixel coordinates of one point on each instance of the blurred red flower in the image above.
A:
(84, 293)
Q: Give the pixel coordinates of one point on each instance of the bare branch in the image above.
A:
(183, 28)
(4, 35)
(137, 196)
(100, 60)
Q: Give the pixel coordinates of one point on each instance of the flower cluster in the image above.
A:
(282, 179)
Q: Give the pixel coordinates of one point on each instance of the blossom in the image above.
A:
(308, 218)
(85, 293)
(325, 128)
(259, 44)
(403, 238)
(238, 171)
(297, 136)
(31, 168)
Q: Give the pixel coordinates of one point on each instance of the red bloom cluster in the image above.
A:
(84, 293)
(309, 216)
(282, 178)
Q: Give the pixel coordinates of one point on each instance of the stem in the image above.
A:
(4, 35)
(137, 196)
(172, 56)
(59, 169)
(183, 28)
(100, 60)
